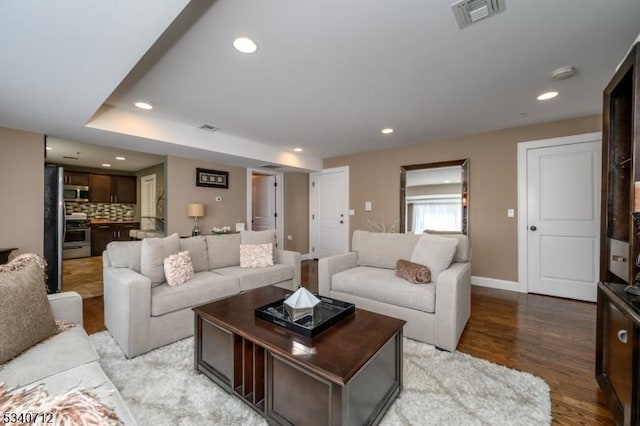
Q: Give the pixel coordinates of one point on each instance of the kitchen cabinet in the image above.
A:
(103, 233)
(112, 189)
(76, 178)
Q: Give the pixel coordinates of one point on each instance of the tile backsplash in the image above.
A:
(110, 211)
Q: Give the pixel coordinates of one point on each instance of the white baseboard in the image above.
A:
(495, 283)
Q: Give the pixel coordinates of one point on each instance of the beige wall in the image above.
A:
(21, 192)
(375, 177)
(182, 190)
(296, 211)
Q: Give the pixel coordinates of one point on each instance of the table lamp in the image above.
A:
(195, 210)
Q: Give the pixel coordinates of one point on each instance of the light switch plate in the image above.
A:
(352, 212)
(367, 206)
(511, 213)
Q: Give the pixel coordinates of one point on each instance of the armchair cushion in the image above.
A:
(382, 249)
(25, 314)
(152, 255)
(383, 286)
(434, 252)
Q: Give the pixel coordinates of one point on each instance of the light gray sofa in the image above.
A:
(64, 361)
(436, 313)
(143, 313)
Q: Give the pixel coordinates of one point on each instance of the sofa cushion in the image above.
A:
(223, 250)
(61, 352)
(178, 268)
(204, 287)
(463, 251)
(197, 248)
(258, 277)
(125, 254)
(152, 254)
(382, 249)
(256, 255)
(258, 237)
(25, 314)
(435, 252)
(383, 286)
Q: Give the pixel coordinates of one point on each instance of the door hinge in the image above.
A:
(313, 184)
(313, 249)
(275, 184)
(275, 214)
(313, 217)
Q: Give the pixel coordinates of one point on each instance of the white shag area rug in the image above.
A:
(440, 388)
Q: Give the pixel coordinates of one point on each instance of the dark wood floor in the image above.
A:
(549, 337)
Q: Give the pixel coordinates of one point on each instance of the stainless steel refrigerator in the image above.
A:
(53, 225)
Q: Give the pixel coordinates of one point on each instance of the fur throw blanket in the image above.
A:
(413, 272)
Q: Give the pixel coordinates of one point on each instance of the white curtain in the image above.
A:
(438, 215)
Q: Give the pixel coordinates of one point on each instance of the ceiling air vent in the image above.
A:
(208, 127)
(468, 12)
(270, 166)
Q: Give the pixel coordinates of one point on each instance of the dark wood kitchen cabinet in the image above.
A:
(76, 178)
(112, 189)
(103, 233)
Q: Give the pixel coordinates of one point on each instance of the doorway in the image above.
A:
(329, 212)
(559, 184)
(265, 202)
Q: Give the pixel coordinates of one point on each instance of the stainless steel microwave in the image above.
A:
(76, 193)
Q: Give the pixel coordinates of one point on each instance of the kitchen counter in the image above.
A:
(109, 221)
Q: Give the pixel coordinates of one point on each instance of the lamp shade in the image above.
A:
(195, 210)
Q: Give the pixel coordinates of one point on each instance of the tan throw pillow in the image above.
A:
(256, 255)
(412, 272)
(25, 315)
(434, 252)
(178, 268)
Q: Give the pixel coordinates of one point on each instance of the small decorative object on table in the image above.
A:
(635, 287)
(223, 230)
(300, 304)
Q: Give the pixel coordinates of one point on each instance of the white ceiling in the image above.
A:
(327, 76)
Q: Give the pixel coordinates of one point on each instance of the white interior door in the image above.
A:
(263, 214)
(329, 211)
(563, 219)
(147, 202)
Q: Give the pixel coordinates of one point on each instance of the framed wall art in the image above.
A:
(212, 178)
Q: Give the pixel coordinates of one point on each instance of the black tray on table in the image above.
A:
(330, 312)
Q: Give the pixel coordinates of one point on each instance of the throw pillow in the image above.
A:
(413, 272)
(25, 313)
(152, 255)
(258, 237)
(125, 254)
(256, 255)
(74, 407)
(434, 252)
(178, 268)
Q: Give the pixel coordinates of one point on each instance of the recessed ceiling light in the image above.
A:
(120, 158)
(106, 165)
(386, 131)
(245, 45)
(49, 148)
(298, 149)
(143, 105)
(447, 181)
(547, 95)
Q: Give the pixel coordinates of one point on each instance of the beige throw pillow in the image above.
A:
(25, 315)
(434, 252)
(256, 255)
(178, 268)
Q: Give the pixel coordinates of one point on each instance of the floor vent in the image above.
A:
(468, 12)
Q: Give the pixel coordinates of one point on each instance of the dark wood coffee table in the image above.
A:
(347, 375)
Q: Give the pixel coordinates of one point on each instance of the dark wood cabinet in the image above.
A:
(112, 189)
(103, 233)
(618, 322)
(76, 178)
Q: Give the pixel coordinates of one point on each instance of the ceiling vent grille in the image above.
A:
(208, 127)
(468, 12)
(270, 166)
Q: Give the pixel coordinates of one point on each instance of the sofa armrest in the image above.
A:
(293, 258)
(127, 308)
(328, 266)
(66, 306)
(453, 304)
